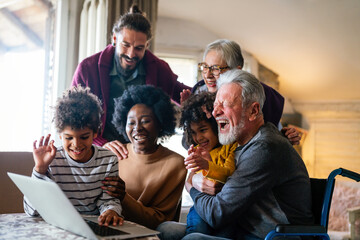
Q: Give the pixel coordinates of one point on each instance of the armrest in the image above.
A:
(286, 228)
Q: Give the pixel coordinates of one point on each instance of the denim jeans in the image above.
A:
(195, 224)
(175, 231)
(171, 230)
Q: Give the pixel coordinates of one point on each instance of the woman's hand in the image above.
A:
(110, 216)
(292, 134)
(44, 154)
(115, 187)
(118, 148)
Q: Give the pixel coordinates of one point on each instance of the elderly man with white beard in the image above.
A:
(270, 185)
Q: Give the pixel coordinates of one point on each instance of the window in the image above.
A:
(22, 62)
(185, 68)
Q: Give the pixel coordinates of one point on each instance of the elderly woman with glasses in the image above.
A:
(222, 55)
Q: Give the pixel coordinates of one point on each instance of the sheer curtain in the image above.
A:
(97, 19)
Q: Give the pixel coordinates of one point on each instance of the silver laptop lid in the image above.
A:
(56, 209)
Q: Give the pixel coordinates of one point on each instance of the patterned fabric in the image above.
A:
(81, 182)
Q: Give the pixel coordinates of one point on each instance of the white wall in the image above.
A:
(333, 139)
(188, 39)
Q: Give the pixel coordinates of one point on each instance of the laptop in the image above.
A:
(56, 209)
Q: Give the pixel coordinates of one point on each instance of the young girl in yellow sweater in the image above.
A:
(206, 154)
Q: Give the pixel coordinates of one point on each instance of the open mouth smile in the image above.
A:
(211, 83)
(223, 124)
(140, 138)
(77, 152)
(204, 144)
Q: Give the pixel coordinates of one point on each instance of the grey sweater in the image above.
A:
(269, 186)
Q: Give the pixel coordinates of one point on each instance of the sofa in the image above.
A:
(16, 162)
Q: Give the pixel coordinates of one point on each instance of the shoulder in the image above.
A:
(171, 159)
(198, 86)
(167, 153)
(103, 57)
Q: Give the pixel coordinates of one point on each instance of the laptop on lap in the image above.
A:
(56, 209)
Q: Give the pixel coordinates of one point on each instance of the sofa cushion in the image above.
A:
(17, 162)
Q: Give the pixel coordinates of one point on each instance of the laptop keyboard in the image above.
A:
(103, 230)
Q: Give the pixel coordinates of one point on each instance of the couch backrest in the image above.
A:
(11, 199)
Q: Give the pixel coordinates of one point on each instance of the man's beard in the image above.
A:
(233, 134)
(125, 72)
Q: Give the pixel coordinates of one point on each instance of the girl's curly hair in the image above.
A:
(78, 108)
(198, 108)
(152, 97)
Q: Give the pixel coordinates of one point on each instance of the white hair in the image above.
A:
(252, 90)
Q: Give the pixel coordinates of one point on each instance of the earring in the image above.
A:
(114, 41)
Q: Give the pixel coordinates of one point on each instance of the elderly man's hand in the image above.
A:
(118, 148)
(202, 184)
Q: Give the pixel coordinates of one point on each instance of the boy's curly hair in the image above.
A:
(198, 108)
(152, 97)
(78, 108)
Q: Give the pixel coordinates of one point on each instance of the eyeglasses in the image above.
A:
(215, 69)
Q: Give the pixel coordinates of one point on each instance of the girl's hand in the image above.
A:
(191, 149)
(203, 153)
(44, 154)
(195, 162)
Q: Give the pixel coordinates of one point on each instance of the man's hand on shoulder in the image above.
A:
(118, 148)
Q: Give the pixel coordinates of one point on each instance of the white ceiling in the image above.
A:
(314, 45)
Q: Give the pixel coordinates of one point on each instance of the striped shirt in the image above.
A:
(81, 182)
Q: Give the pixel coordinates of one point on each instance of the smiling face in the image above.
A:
(203, 135)
(78, 143)
(229, 113)
(130, 48)
(142, 129)
(213, 58)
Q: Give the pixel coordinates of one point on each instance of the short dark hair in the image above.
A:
(193, 110)
(134, 20)
(78, 108)
(152, 97)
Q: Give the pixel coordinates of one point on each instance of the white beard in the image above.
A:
(233, 134)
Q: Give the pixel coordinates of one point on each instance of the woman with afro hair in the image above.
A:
(152, 177)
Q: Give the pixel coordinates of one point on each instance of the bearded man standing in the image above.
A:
(124, 63)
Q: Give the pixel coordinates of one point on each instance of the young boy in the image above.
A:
(78, 167)
(209, 156)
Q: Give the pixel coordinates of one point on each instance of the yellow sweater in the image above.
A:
(223, 163)
(154, 184)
